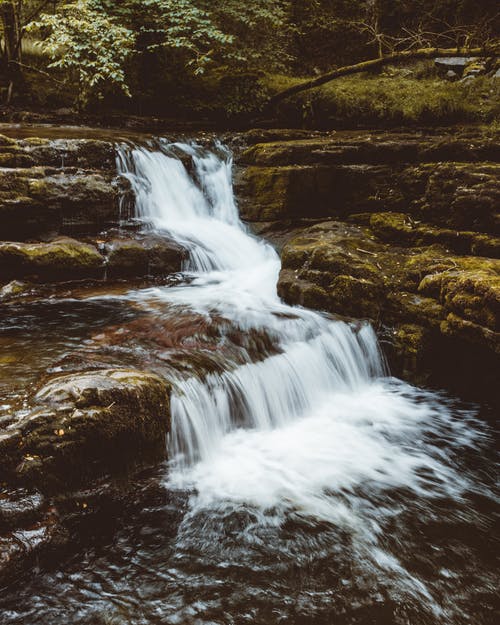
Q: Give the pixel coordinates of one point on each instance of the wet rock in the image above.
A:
(13, 289)
(20, 507)
(86, 202)
(61, 259)
(82, 153)
(431, 305)
(82, 426)
(40, 202)
(150, 256)
(21, 547)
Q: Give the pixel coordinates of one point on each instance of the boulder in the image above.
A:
(82, 426)
(144, 256)
(456, 63)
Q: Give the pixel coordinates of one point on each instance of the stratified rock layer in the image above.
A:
(406, 235)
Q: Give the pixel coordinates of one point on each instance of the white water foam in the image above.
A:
(306, 428)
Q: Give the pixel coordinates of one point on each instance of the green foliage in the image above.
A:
(175, 56)
(181, 27)
(261, 32)
(88, 45)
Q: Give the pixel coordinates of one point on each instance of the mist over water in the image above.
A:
(304, 486)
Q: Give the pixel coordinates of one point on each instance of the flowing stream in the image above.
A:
(314, 488)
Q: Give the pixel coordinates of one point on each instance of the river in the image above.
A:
(303, 486)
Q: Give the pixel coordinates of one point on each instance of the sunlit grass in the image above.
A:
(384, 99)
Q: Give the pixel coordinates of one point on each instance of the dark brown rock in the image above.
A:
(86, 425)
(143, 256)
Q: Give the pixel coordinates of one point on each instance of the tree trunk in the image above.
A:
(12, 34)
(423, 53)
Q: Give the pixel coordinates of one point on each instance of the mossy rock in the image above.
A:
(312, 191)
(150, 256)
(463, 196)
(474, 295)
(62, 259)
(413, 308)
(357, 148)
(83, 153)
(436, 299)
(86, 425)
(355, 297)
(403, 229)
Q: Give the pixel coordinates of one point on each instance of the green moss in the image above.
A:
(466, 330)
(413, 308)
(390, 100)
(396, 227)
(62, 259)
(356, 297)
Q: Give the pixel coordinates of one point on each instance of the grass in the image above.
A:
(390, 100)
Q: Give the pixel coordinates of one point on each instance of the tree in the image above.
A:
(89, 45)
(94, 39)
(15, 15)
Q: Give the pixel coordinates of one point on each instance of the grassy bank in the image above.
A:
(412, 96)
(387, 101)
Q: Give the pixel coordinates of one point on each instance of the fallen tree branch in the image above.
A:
(35, 69)
(422, 53)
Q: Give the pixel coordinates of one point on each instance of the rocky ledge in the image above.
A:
(79, 429)
(406, 234)
(67, 215)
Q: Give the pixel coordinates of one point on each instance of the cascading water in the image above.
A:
(300, 427)
(234, 274)
(304, 485)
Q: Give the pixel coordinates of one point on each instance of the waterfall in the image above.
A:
(318, 416)
(235, 274)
